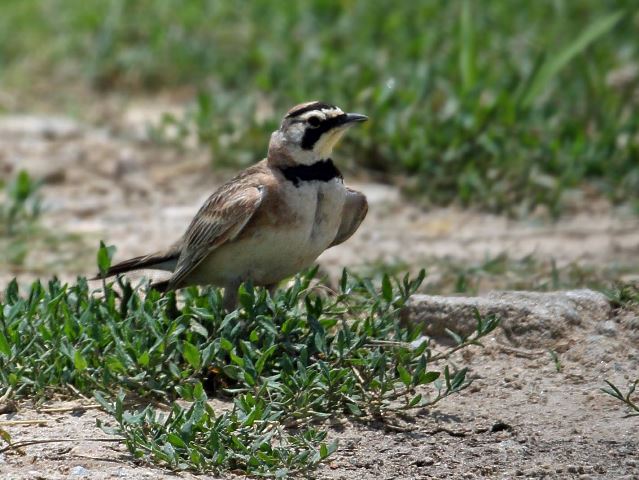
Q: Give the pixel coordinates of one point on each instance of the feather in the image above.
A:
(220, 220)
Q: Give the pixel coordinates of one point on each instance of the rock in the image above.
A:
(79, 471)
(528, 318)
(607, 328)
(500, 427)
(424, 462)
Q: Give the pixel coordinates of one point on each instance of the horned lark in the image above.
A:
(274, 218)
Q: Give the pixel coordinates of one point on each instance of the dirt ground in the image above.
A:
(520, 418)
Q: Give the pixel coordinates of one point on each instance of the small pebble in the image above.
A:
(600, 468)
(607, 328)
(79, 471)
(424, 462)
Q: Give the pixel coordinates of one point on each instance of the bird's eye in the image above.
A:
(314, 121)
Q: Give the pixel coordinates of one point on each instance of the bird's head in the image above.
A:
(309, 132)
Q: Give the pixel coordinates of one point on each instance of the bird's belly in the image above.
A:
(273, 252)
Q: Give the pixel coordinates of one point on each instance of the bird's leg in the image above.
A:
(229, 303)
(272, 288)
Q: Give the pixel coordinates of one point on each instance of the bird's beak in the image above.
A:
(338, 126)
(355, 118)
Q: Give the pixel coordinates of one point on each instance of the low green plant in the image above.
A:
(20, 208)
(556, 360)
(624, 295)
(624, 398)
(22, 233)
(290, 361)
(529, 272)
(21, 204)
(250, 438)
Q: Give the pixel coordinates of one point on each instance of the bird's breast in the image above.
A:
(318, 210)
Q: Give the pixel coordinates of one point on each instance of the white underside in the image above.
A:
(275, 253)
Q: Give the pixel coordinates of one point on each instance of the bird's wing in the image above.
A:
(220, 220)
(355, 209)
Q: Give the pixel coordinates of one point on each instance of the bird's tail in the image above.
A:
(156, 261)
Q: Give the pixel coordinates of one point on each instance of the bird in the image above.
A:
(274, 218)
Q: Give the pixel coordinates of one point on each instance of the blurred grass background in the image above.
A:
(498, 105)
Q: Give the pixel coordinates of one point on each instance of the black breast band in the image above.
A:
(322, 171)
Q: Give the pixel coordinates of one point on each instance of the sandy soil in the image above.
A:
(521, 418)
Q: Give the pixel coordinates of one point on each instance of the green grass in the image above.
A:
(286, 362)
(625, 296)
(448, 276)
(20, 208)
(23, 238)
(626, 398)
(498, 105)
